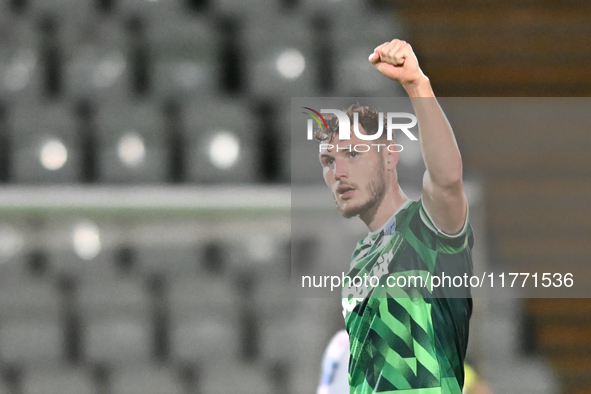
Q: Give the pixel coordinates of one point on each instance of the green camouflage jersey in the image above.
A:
(404, 333)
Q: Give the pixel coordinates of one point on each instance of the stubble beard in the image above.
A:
(376, 189)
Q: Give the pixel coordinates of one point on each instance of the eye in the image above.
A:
(353, 154)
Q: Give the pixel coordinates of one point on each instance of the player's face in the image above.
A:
(357, 179)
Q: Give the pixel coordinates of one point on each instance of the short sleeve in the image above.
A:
(428, 221)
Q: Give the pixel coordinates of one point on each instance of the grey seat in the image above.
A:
(116, 321)
(150, 10)
(46, 147)
(355, 76)
(204, 316)
(80, 247)
(205, 295)
(334, 6)
(233, 377)
(96, 60)
(281, 57)
(65, 10)
(206, 337)
(250, 11)
(17, 242)
(57, 380)
(184, 56)
(221, 141)
(146, 379)
(20, 62)
(175, 260)
(133, 147)
(29, 299)
(32, 341)
(31, 323)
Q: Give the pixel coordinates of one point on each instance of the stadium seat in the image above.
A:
(80, 248)
(149, 9)
(208, 337)
(249, 11)
(203, 318)
(355, 76)
(184, 57)
(355, 22)
(132, 145)
(65, 10)
(101, 298)
(15, 242)
(116, 321)
(57, 380)
(221, 141)
(145, 379)
(175, 259)
(66, 262)
(257, 249)
(281, 58)
(32, 341)
(235, 377)
(313, 6)
(273, 298)
(295, 341)
(45, 143)
(26, 299)
(118, 340)
(96, 60)
(204, 295)
(20, 62)
(296, 337)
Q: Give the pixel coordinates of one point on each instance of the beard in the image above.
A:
(376, 189)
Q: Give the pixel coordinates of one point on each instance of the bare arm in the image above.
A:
(443, 193)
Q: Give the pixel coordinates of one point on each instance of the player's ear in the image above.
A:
(392, 156)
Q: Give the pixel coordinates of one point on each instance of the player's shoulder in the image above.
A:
(338, 343)
(418, 223)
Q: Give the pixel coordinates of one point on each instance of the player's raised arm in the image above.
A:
(443, 194)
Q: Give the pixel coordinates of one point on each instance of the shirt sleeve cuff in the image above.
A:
(428, 221)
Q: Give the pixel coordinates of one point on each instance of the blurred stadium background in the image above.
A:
(145, 230)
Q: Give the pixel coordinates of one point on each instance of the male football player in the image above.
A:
(403, 337)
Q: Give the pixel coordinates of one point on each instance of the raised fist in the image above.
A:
(397, 61)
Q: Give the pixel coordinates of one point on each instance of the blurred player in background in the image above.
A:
(403, 338)
(334, 377)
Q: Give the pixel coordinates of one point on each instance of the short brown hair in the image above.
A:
(368, 118)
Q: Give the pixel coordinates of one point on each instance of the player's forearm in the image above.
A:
(438, 144)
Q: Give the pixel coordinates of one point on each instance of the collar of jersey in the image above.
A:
(393, 217)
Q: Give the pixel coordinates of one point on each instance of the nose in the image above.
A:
(340, 169)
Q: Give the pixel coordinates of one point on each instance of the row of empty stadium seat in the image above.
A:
(142, 379)
(206, 324)
(286, 55)
(82, 9)
(105, 59)
(133, 142)
(118, 322)
(86, 250)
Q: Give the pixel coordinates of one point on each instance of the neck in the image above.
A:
(375, 217)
